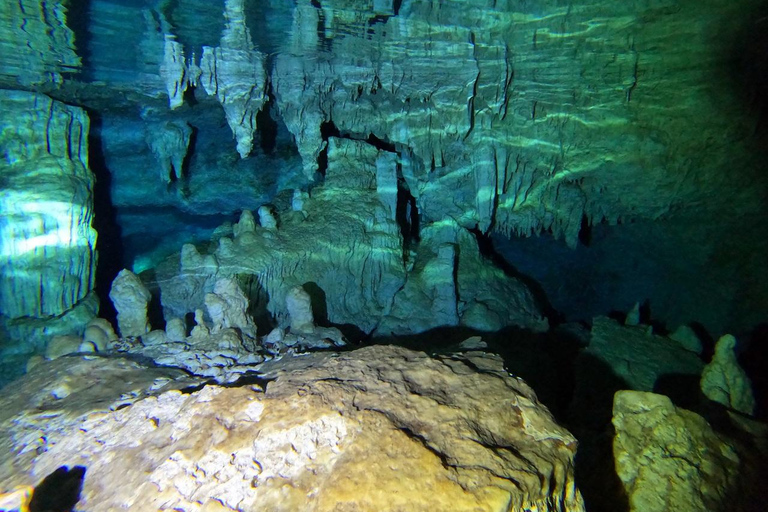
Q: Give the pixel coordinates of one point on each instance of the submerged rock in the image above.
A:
(378, 429)
(725, 382)
(671, 459)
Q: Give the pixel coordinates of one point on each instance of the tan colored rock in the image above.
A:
(670, 459)
(379, 429)
(724, 381)
(62, 345)
(96, 338)
(34, 361)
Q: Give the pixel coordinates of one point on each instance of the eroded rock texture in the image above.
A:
(356, 261)
(508, 105)
(47, 244)
(671, 459)
(379, 429)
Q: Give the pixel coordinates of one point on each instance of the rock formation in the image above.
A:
(299, 306)
(47, 256)
(37, 46)
(47, 242)
(130, 297)
(235, 73)
(724, 381)
(378, 429)
(169, 143)
(672, 459)
(228, 307)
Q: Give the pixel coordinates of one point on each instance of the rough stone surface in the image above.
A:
(47, 244)
(169, 143)
(228, 307)
(725, 381)
(130, 298)
(671, 459)
(687, 338)
(299, 306)
(637, 357)
(379, 429)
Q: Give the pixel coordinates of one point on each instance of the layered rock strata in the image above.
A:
(47, 244)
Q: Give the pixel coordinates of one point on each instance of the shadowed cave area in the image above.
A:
(384, 255)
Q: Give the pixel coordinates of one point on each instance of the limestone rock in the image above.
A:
(623, 357)
(47, 244)
(96, 338)
(379, 429)
(228, 307)
(636, 356)
(105, 326)
(299, 306)
(176, 329)
(246, 224)
(173, 71)
(633, 317)
(235, 73)
(37, 46)
(130, 297)
(725, 381)
(62, 345)
(267, 218)
(687, 338)
(169, 143)
(184, 289)
(671, 459)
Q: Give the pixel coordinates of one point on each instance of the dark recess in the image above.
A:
(327, 130)
(485, 244)
(59, 491)
(109, 244)
(267, 125)
(77, 21)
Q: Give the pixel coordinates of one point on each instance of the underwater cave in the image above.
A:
(388, 255)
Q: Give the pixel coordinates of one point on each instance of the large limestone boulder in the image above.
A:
(671, 459)
(378, 429)
(724, 381)
(130, 297)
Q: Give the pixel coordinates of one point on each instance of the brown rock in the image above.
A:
(380, 429)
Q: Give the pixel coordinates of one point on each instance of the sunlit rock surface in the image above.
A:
(671, 459)
(379, 429)
(47, 244)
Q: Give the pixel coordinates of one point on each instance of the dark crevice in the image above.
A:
(327, 130)
(585, 232)
(109, 245)
(485, 244)
(267, 125)
(78, 19)
(380, 144)
(59, 491)
(189, 96)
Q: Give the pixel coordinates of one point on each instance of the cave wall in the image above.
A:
(511, 118)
